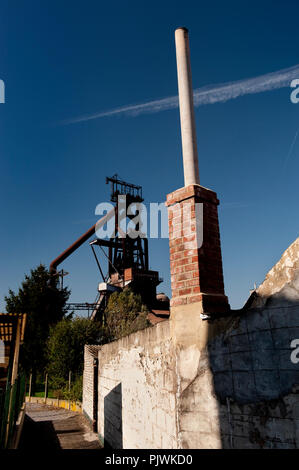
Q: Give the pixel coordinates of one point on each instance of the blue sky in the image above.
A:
(61, 60)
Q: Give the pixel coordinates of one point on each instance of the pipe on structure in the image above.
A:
(188, 130)
(66, 253)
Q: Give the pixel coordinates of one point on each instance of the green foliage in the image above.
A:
(125, 314)
(66, 348)
(44, 304)
(54, 342)
(75, 393)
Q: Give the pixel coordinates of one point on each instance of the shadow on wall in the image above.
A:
(113, 433)
(255, 379)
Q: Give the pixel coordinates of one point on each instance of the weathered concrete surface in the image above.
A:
(137, 390)
(282, 273)
(188, 383)
(229, 384)
(47, 427)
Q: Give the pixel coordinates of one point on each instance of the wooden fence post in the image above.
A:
(70, 379)
(46, 388)
(30, 387)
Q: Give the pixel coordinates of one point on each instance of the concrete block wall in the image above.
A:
(239, 390)
(244, 388)
(137, 391)
(255, 380)
(191, 383)
(257, 351)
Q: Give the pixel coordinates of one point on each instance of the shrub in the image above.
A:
(125, 314)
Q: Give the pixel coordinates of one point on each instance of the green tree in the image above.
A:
(65, 348)
(125, 314)
(44, 304)
(75, 392)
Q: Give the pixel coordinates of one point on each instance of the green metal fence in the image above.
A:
(2, 399)
(11, 402)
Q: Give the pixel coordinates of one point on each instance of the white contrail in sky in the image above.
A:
(218, 93)
(291, 149)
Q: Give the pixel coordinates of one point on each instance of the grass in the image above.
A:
(42, 394)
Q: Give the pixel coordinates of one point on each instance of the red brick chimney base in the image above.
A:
(195, 251)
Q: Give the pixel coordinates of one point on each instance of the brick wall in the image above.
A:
(90, 353)
(195, 251)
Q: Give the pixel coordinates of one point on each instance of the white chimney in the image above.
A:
(188, 131)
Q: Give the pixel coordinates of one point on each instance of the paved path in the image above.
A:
(47, 427)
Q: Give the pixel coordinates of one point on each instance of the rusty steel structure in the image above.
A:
(127, 258)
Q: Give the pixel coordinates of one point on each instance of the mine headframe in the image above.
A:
(124, 251)
(122, 188)
(128, 258)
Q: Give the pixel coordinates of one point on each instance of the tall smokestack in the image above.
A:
(195, 268)
(188, 131)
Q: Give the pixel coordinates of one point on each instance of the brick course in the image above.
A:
(194, 270)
